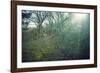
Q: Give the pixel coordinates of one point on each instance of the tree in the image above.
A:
(26, 18)
(38, 17)
(55, 37)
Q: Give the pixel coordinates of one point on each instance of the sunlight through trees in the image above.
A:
(50, 35)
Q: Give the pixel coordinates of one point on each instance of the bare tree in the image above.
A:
(38, 17)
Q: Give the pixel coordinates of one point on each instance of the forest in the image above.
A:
(53, 35)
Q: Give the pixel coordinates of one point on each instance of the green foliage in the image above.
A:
(60, 39)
